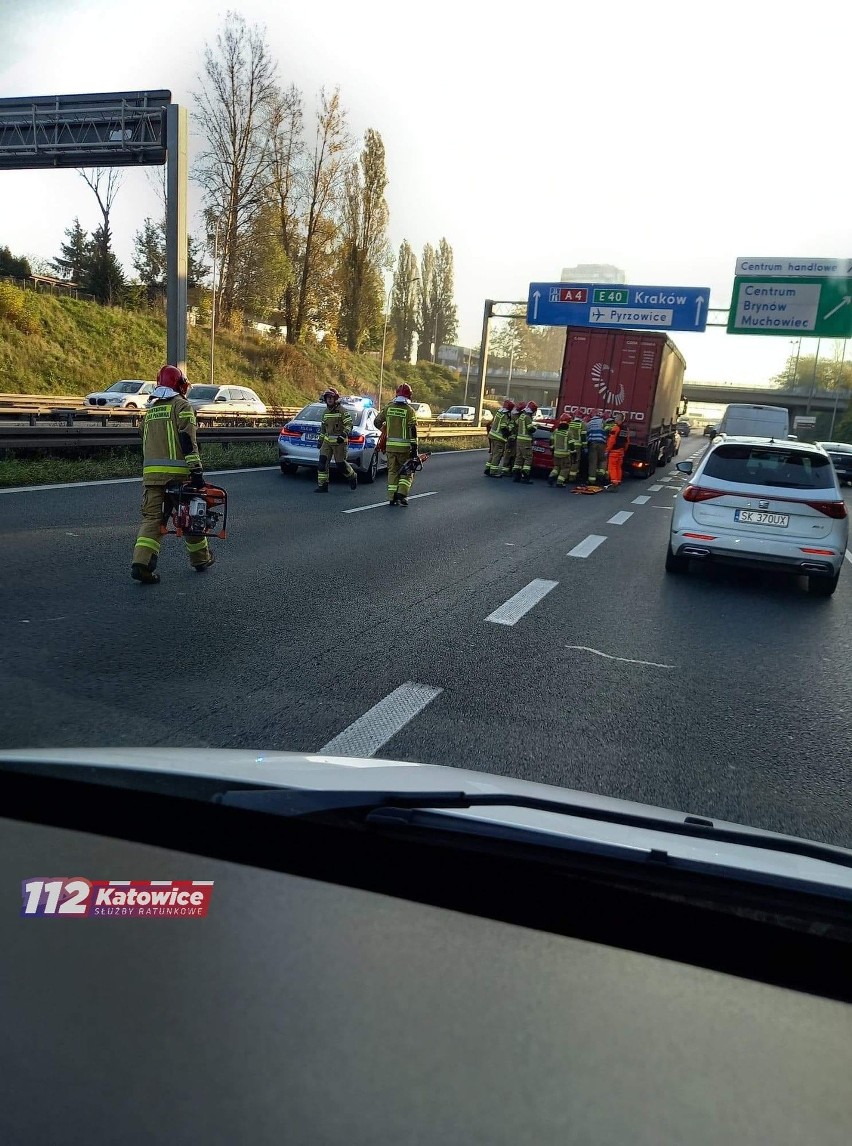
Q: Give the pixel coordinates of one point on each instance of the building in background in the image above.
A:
(593, 273)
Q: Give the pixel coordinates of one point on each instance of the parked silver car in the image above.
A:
(224, 400)
(129, 394)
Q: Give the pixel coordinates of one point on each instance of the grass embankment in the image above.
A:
(52, 345)
(127, 462)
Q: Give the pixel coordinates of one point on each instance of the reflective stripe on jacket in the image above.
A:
(401, 422)
(499, 426)
(577, 432)
(525, 427)
(335, 422)
(563, 443)
(162, 450)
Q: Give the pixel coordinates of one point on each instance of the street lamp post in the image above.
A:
(467, 376)
(813, 378)
(837, 382)
(213, 301)
(384, 340)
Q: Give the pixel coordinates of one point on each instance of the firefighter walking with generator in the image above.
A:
(399, 422)
(501, 428)
(334, 441)
(169, 456)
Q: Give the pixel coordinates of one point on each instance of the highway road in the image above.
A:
(724, 693)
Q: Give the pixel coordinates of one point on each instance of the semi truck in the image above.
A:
(637, 373)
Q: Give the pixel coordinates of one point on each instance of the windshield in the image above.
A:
(750, 465)
(125, 388)
(598, 209)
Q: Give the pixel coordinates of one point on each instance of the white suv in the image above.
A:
(129, 394)
(769, 505)
(224, 400)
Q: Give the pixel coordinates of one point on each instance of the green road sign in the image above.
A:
(809, 307)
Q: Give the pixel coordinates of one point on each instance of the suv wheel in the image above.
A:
(369, 474)
(822, 586)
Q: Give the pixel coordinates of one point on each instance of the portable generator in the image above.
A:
(201, 512)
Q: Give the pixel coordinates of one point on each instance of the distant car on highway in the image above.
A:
(767, 505)
(129, 394)
(457, 414)
(422, 411)
(684, 429)
(224, 400)
(544, 414)
(709, 431)
(841, 456)
(298, 441)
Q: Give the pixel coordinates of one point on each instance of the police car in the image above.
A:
(298, 441)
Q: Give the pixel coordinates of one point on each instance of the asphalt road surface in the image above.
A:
(724, 693)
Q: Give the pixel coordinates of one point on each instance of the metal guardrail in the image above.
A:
(63, 439)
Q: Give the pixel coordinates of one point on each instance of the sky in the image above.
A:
(668, 139)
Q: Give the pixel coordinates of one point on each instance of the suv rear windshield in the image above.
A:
(776, 466)
(125, 388)
(203, 393)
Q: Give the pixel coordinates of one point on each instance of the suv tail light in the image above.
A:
(357, 439)
(696, 493)
(836, 509)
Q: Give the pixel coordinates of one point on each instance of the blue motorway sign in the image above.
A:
(619, 306)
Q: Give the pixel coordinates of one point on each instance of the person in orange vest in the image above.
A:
(617, 443)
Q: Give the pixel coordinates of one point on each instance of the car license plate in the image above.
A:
(759, 517)
(310, 437)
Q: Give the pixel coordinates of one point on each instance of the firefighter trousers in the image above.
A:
(333, 451)
(156, 506)
(523, 457)
(506, 459)
(496, 446)
(598, 473)
(564, 469)
(398, 483)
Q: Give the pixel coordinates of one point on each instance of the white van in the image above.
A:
(743, 420)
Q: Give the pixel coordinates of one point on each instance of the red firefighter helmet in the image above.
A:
(508, 405)
(564, 418)
(330, 393)
(403, 390)
(173, 378)
(532, 408)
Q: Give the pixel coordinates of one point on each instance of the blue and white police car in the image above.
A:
(298, 441)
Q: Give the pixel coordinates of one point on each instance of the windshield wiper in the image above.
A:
(373, 807)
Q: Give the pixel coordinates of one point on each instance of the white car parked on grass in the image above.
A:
(769, 505)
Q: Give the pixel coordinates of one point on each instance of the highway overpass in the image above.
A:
(544, 389)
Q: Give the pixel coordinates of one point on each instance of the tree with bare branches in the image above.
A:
(234, 105)
(105, 277)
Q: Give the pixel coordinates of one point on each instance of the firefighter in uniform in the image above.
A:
(169, 455)
(616, 445)
(576, 441)
(334, 441)
(596, 437)
(523, 451)
(401, 428)
(497, 435)
(510, 429)
(563, 452)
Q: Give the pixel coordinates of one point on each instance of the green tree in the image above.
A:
(364, 246)
(149, 258)
(529, 348)
(71, 263)
(286, 128)
(829, 372)
(404, 302)
(103, 276)
(264, 271)
(446, 312)
(15, 268)
(426, 295)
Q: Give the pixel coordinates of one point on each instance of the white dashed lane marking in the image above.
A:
(655, 488)
(587, 546)
(620, 517)
(379, 504)
(512, 610)
(376, 727)
(641, 499)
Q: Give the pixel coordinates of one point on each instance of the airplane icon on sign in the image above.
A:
(598, 314)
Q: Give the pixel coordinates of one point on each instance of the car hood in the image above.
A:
(114, 396)
(769, 859)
